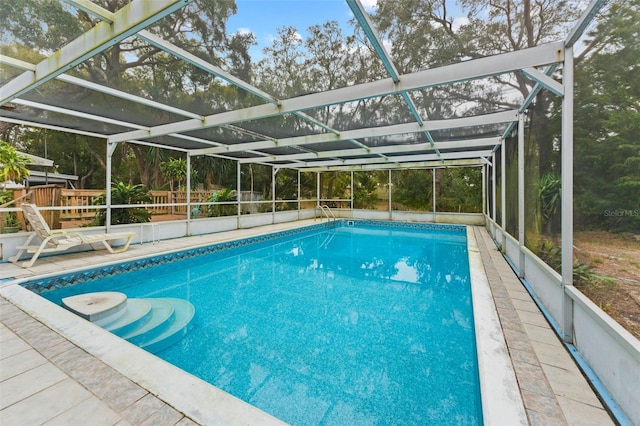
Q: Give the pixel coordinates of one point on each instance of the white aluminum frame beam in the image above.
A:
(52, 127)
(398, 166)
(530, 98)
(472, 69)
(544, 80)
(401, 159)
(495, 118)
(566, 197)
(182, 54)
(389, 149)
(79, 114)
(192, 59)
(127, 21)
(17, 63)
(585, 19)
(93, 10)
(374, 38)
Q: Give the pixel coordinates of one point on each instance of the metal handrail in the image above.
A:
(327, 212)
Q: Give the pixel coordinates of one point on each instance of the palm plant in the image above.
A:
(13, 165)
(550, 190)
(223, 195)
(124, 194)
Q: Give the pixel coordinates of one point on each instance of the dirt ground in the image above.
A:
(616, 256)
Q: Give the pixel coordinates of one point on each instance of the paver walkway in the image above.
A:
(553, 389)
(47, 379)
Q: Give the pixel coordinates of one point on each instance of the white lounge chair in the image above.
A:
(58, 240)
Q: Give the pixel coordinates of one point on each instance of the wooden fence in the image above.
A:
(75, 206)
(75, 199)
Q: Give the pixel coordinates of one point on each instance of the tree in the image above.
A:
(174, 169)
(133, 66)
(607, 116)
(124, 194)
(13, 165)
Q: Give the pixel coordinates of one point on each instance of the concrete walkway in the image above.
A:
(48, 377)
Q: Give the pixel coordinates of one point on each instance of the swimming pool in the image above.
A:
(363, 324)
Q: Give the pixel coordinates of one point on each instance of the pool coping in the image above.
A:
(497, 376)
(207, 404)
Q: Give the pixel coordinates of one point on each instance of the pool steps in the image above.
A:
(153, 324)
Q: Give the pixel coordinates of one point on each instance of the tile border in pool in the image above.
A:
(65, 280)
(207, 404)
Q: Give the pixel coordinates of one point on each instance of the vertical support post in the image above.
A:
(503, 194)
(521, 205)
(483, 169)
(433, 191)
(389, 195)
(274, 172)
(493, 188)
(111, 147)
(238, 193)
(188, 193)
(318, 189)
(298, 197)
(351, 192)
(567, 195)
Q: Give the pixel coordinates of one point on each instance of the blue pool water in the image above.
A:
(349, 325)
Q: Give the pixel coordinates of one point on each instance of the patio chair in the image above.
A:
(58, 240)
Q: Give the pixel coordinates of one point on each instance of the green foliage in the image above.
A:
(364, 191)
(461, 190)
(174, 169)
(583, 274)
(549, 191)
(13, 165)
(224, 195)
(607, 147)
(123, 194)
(413, 189)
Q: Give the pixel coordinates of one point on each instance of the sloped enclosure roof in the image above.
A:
(248, 121)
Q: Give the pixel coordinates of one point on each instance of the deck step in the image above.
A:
(153, 324)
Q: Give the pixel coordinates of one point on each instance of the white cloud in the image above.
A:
(387, 45)
(369, 5)
(459, 21)
(244, 31)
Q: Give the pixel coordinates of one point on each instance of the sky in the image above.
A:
(264, 17)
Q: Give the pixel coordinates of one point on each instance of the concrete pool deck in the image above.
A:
(58, 369)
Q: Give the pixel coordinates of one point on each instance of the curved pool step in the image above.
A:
(184, 313)
(137, 312)
(101, 307)
(162, 312)
(153, 324)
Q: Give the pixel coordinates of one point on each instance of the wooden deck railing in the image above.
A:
(77, 198)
